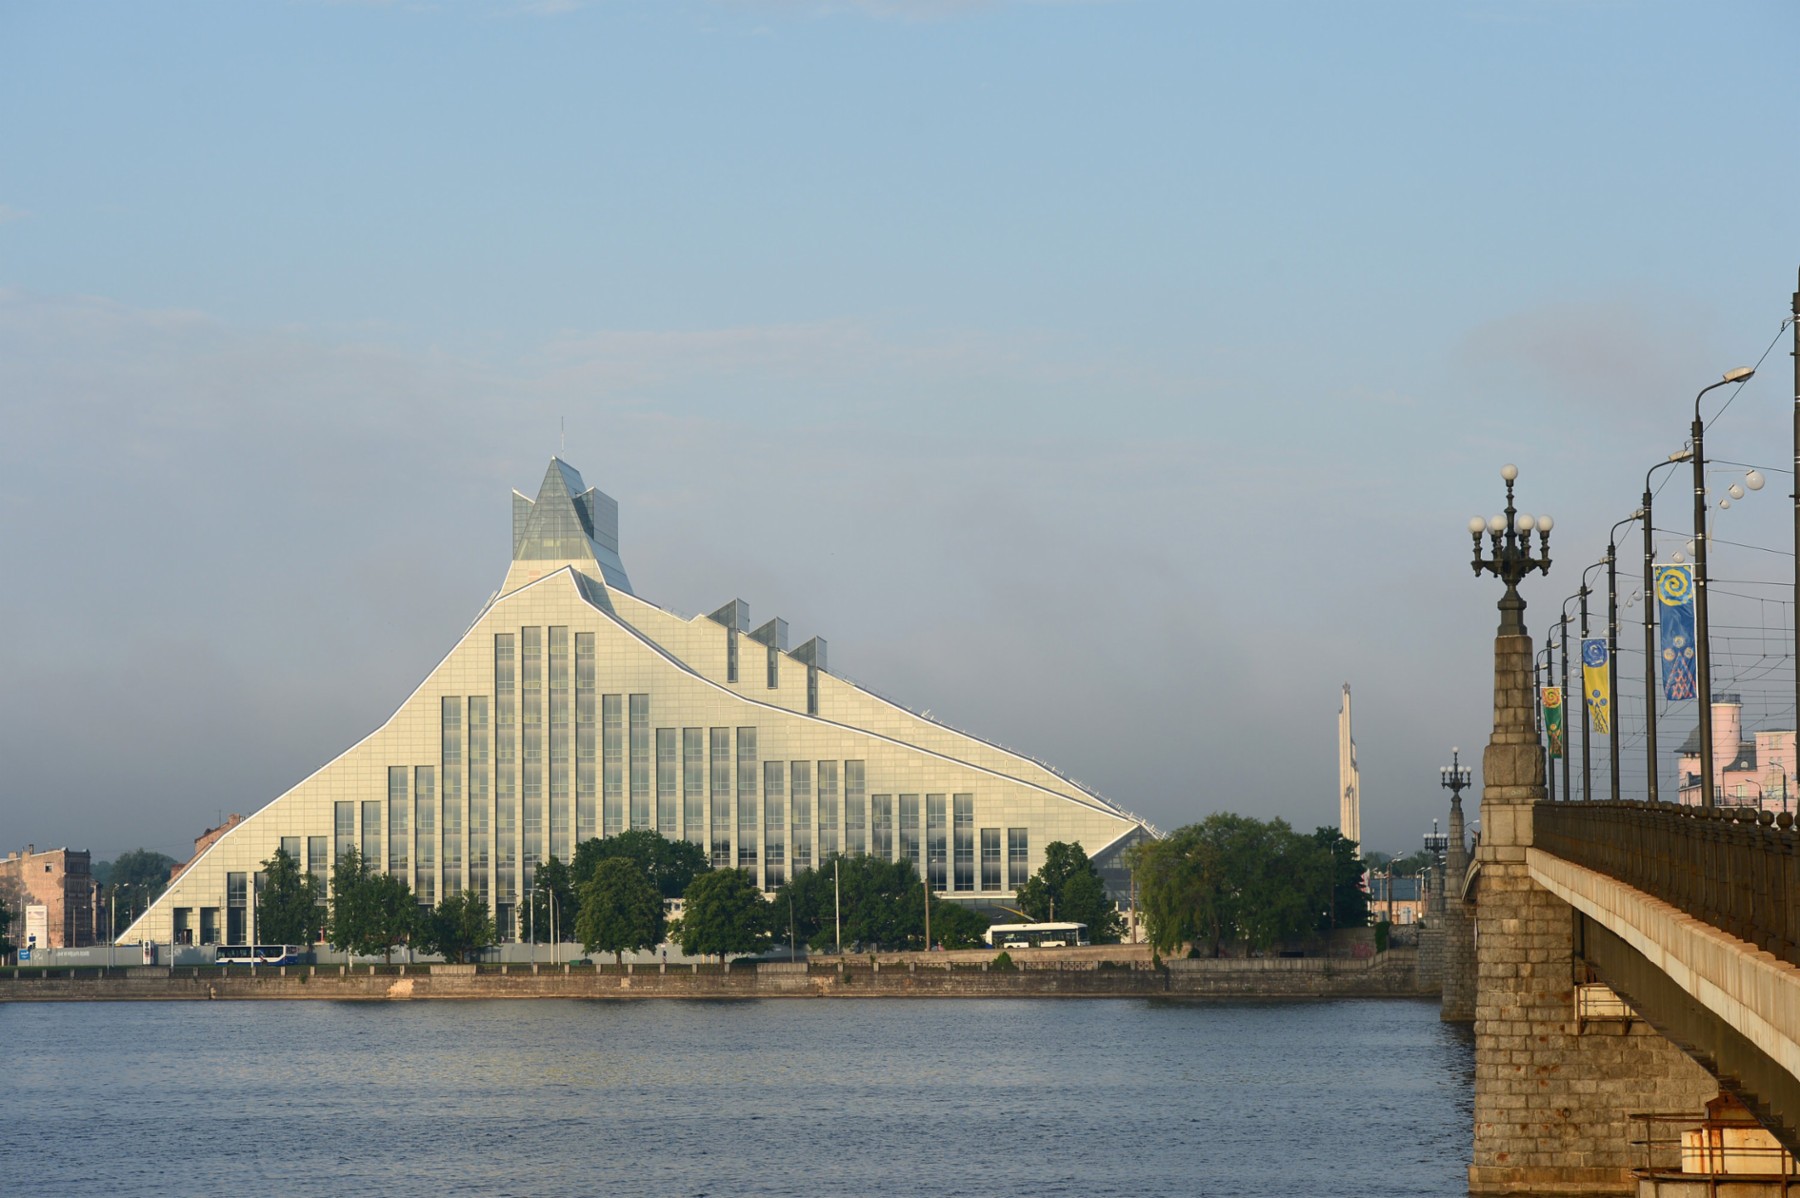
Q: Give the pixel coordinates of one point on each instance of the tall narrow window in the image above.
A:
(640, 762)
(774, 825)
(612, 763)
(1018, 857)
(746, 800)
(451, 774)
(531, 747)
(774, 667)
(318, 862)
(828, 808)
(506, 771)
(425, 803)
(800, 802)
(693, 785)
(990, 858)
(398, 837)
(343, 826)
(731, 654)
(371, 834)
(964, 808)
(237, 906)
(480, 802)
(909, 832)
(668, 777)
(882, 835)
(587, 788)
(561, 844)
(856, 808)
(935, 843)
(719, 747)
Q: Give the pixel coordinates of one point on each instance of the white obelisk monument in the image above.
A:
(1349, 779)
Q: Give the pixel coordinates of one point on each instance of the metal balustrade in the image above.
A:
(1736, 868)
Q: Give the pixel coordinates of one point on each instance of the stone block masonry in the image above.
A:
(1551, 1097)
(1392, 975)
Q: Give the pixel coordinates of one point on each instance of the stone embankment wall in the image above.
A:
(1391, 975)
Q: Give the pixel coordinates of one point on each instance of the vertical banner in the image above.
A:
(1675, 610)
(1593, 678)
(1553, 719)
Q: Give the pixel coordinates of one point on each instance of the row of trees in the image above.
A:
(1231, 881)
(612, 897)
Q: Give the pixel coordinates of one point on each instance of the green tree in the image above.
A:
(287, 905)
(458, 928)
(883, 907)
(1069, 889)
(1233, 882)
(956, 926)
(669, 864)
(551, 878)
(133, 881)
(1348, 903)
(369, 912)
(723, 913)
(620, 909)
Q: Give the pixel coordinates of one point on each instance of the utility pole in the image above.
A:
(926, 882)
(837, 901)
(1796, 331)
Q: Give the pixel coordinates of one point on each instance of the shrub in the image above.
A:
(1003, 962)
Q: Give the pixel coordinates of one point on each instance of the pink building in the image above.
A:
(1757, 770)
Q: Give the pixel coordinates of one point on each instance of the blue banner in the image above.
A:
(1675, 609)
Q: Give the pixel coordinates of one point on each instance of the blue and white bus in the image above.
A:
(260, 954)
(1036, 935)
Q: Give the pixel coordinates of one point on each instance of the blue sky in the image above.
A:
(1112, 379)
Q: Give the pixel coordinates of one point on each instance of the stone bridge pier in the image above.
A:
(1553, 1092)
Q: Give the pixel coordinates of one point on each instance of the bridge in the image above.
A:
(1629, 959)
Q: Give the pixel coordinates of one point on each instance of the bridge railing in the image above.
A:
(1736, 868)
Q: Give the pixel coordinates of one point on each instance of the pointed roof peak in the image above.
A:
(569, 521)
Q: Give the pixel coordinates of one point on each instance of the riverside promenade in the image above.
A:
(1393, 974)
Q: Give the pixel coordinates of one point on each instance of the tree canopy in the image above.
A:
(883, 907)
(370, 913)
(287, 906)
(1068, 888)
(1231, 881)
(537, 917)
(458, 928)
(135, 879)
(723, 913)
(669, 864)
(620, 909)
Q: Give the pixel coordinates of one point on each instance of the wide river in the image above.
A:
(795, 1097)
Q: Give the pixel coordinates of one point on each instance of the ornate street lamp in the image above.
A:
(1511, 559)
(1702, 633)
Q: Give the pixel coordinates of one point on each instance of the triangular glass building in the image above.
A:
(573, 709)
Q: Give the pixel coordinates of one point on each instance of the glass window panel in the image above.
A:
(639, 707)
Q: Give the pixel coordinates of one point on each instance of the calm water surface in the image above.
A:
(868, 1096)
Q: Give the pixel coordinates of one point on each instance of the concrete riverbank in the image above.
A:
(1393, 974)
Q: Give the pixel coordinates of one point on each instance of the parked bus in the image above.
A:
(1036, 935)
(260, 954)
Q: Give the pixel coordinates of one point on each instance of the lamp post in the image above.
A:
(1510, 558)
(1702, 633)
(1650, 605)
(1612, 650)
(1546, 674)
(1567, 790)
(1587, 763)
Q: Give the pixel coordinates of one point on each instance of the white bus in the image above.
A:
(1036, 935)
(260, 954)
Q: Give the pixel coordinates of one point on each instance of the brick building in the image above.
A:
(61, 882)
